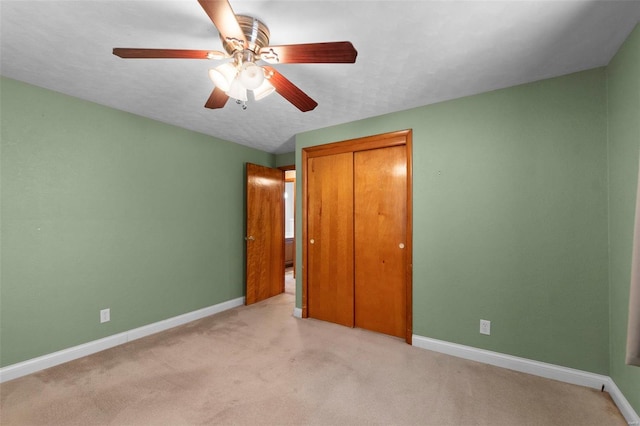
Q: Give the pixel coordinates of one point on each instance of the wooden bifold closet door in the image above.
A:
(357, 247)
(330, 245)
(380, 194)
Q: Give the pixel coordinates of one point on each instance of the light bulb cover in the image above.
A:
(251, 75)
(223, 75)
(237, 90)
(264, 90)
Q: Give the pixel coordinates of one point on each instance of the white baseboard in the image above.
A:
(297, 312)
(30, 366)
(625, 408)
(537, 368)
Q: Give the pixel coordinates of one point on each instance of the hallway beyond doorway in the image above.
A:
(289, 281)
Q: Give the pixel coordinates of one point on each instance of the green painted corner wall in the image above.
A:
(623, 90)
(105, 209)
(286, 159)
(510, 218)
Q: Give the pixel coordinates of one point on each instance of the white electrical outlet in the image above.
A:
(105, 315)
(485, 327)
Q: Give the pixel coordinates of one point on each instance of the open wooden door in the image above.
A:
(265, 233)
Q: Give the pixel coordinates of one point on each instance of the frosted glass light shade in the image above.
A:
(251, 75)
(223, 75)
(264, 90)
(237, 90)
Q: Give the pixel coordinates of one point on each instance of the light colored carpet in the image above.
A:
(259, 365)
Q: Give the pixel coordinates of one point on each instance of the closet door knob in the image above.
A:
(312, 241)
(401, 245)
(249, 238)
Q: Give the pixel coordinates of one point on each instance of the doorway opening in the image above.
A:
(289, 231)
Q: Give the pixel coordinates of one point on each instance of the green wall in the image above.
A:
(623, 85)
(510, 218)
(286, 159)
(101, 208)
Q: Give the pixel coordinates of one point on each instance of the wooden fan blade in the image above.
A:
(222, 16)
(127, 53)
(311, 53)
(290, 91)
(217, 99)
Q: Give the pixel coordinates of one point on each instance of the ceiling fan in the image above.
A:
(245, 40)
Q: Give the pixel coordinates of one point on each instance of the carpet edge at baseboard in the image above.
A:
(34, 365)
(537, 368)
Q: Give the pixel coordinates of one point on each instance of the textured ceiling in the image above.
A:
(410, 53)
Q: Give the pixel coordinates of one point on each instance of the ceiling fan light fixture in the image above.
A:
(237, 90)
(264, 90)
(251, 75)
(223, 75)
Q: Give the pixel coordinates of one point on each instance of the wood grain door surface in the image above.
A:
(380, 199)
(330, 238)
(265, 233)
(358, 224)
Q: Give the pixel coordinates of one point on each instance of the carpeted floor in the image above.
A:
(259, 365)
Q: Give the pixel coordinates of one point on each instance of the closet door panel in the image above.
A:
(330, 238)
(380, 208)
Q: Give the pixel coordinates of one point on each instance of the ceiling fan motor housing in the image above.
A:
(255, 31)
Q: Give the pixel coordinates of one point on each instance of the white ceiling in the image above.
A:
(410, 53)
